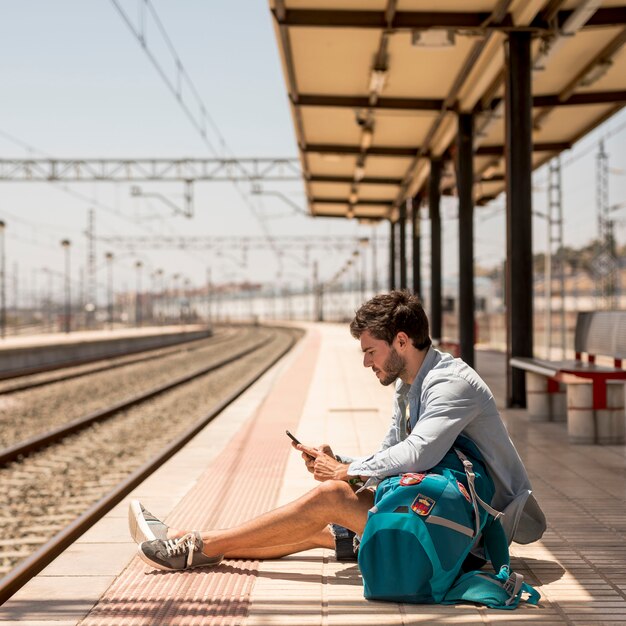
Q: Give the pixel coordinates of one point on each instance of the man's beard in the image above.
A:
(393, 367)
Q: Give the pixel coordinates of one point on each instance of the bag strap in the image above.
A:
(471, 588)
(514, 586)
(476, 499)
(496, 544)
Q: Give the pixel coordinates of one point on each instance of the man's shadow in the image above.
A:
(540, 571)
(536, 571)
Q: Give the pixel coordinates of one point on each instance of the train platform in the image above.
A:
(27, 354)
(242, 464)
(11, 342)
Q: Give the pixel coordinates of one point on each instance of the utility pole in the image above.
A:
(602, 191)
(161, 294)
(81, 296)
(35, 299)
(318, 291)
(374, 264)
(555, 240)
(604, 264)
(67, 326)
(138, 298)
(3, 300)
(48, 298)
(109, 258)
(16, 302)
(90, 306)
(208, 296)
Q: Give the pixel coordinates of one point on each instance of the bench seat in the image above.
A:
(567, 371)
(584, 383)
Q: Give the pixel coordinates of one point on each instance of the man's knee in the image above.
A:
(335, 491)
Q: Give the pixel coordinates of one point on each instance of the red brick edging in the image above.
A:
(242, 482)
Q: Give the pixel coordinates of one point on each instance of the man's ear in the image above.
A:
(402, 339)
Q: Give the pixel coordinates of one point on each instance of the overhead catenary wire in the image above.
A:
(33, 150)
(36, 226)
(176, 89)
(72, 192)
(594, 146)
(537, 187)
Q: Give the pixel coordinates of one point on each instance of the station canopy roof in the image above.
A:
(375, 88)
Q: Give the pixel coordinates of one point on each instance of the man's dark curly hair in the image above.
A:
(387, 314)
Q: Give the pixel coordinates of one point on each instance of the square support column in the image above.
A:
(392, 255)
(434, 198)
(402, 220)
(417, 251)
(518, 153)
(465, 185)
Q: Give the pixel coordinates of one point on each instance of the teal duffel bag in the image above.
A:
(422, 528)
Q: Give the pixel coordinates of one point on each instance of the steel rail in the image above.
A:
(183, 347)
(32, 565)
(36, 442)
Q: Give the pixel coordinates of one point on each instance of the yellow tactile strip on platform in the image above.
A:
(242, 482)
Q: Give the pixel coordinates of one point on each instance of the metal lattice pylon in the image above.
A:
(604, 263)
(555, 251)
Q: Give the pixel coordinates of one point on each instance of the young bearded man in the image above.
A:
(437, 397)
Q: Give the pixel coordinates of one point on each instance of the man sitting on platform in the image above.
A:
(437, 397)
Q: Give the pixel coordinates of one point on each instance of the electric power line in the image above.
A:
(36, 226)
(176, 89)
(594, 146)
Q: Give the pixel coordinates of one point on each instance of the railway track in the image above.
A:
(27, 413)
(39, 441)
(61, 490)
(68, 372)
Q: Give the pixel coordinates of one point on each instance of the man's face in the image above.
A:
(383, 358)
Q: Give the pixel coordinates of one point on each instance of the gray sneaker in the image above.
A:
(143, 525)
(176, 554)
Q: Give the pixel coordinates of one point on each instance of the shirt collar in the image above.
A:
(414, 389)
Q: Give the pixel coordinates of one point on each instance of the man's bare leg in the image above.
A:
(302, 522)
(323, 539)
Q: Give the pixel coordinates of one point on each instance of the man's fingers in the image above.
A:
(326, 449)
(312, 452)
(306, 454)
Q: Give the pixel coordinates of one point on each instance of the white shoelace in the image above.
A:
(177, 547)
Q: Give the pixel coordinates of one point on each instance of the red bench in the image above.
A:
(595, 393)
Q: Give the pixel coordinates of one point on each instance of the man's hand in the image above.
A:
(309, 459)
(322, 464)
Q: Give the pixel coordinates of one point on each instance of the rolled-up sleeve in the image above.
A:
(449, 405)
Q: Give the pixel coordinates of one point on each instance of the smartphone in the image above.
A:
(293, 438)
(296, 441)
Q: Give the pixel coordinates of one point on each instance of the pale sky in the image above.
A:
(76, 83)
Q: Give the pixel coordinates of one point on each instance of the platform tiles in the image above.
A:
(323, 394)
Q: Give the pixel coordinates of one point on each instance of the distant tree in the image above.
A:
(575, 259)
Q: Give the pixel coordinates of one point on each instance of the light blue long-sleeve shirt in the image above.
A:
(448, 398)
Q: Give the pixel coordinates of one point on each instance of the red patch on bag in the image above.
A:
(463, 490)
(422, 505)
(411, 479)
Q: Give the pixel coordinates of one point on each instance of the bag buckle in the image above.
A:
(512, 586)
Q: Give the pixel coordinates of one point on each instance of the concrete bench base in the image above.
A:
(600, 426)
(545, 399)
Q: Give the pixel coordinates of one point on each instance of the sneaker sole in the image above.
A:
(139, 528)
(163, 568)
